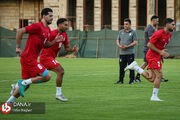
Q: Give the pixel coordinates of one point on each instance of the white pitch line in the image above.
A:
(101, 74)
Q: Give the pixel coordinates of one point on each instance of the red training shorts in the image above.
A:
(31, 68)
(49, 62)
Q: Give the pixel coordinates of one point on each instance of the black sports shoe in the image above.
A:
(119, 82)
(164, 80)
(131, 82)
(137, 79)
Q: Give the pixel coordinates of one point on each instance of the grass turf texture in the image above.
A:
(89, 86)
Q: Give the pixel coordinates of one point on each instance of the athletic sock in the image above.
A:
(26, 82)
(11, 100)
(58, 91)
(155, 92)
(138, 69)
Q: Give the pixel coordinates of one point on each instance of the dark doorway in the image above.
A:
(23, 23)
(142, 13)
(123, 12)
(161, 12)
(72, 13)
(106, 14)
(89, 15)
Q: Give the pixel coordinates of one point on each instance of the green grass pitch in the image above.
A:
(89, 86)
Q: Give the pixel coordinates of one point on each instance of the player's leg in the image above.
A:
(37, 79)
(157, 83)
(45, 76)
(60, 72)
(143, 66)
(24, 85)
(15, 94)
(151, 75)
(51, 64)
(134, 66)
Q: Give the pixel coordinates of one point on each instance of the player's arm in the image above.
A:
(68, 49)
(56, 40)
(155, 37)
(161, 52)
(19, 35)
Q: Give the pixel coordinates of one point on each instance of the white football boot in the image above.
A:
(131, 66)
(61, 97)
(155, 98)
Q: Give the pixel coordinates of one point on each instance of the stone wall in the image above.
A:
(11, 12)
(132, 13)
(97, 15)
(115, 15)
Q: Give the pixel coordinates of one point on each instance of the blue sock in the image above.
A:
(40, 81)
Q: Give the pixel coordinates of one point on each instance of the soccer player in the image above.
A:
(150, 29)
(32, 71)
(48, 55)
(154, 56)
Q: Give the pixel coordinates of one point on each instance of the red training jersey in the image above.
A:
(159, 39)
(38, 35)
(53, 50)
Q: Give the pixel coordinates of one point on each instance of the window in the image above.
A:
(23, 23)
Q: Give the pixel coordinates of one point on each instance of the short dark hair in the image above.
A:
(127, 20)
(46, 11)
(167, 21)
(154, 17)
(61, 20)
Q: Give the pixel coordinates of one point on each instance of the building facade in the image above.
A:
(89, 14)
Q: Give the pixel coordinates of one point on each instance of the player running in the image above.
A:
(48, 56)
(154, 57)
(32, 71)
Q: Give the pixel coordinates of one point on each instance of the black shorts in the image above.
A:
(145, 52)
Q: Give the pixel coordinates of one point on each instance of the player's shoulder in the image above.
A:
(64, 34)
(54, 32)
(159, 32)
(38, 24)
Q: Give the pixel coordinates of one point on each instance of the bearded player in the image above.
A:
(47, 57)
(154, 56)
(32, 71)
